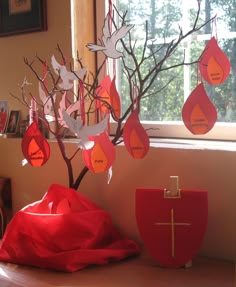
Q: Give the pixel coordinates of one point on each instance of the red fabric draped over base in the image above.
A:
(64, 231)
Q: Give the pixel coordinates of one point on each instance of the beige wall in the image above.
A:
(213, 170)
(13, 49)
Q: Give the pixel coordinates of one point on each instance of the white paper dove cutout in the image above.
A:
(82, 131)
(67, 77)
(47, 104)
(109, 40)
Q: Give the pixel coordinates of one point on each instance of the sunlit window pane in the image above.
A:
(164, 19)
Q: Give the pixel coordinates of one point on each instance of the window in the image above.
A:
(161, 113)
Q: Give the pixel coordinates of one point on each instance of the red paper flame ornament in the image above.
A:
(135, 137)
(115, 99)
(34, 146)
(199, 114)
(101, 156)
(107, 91)
(214, 65)
(103, 92)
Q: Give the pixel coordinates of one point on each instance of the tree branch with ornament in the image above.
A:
(80, 105)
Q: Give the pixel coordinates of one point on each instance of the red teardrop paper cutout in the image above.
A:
(101, 156)
(34, 146)
(199, 114)
(103, 92)
(115, 99)
(214, 65)
(135, 137)
(107, 91)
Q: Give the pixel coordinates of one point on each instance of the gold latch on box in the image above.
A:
(173, 191)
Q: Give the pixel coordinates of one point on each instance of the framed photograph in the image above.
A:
(22, 16)
(3, 115)
(13, 122)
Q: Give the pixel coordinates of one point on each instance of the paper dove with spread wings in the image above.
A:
(67, 77)
(109, 41)
(83, 131)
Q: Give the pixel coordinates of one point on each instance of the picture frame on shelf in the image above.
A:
(3, 115)
(22, 16)
(13, 122)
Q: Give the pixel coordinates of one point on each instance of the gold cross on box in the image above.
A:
(172, 224)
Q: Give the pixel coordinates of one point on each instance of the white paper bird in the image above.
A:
(83, 131)
(67, 77)
(109, 41)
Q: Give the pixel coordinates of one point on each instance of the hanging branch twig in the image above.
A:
(154, 57)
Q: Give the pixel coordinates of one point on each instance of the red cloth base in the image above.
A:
(64, 231)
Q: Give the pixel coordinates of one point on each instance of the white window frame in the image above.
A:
(171, 129)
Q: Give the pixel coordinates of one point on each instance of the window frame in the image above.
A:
(167, 129)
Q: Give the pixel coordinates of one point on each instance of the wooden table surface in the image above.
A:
(140, 271)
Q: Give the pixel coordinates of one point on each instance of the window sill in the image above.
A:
(193, 144)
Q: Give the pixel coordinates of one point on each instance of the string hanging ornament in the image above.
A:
(214, 65)
(199, 113)
(135, 137)
(34, 146)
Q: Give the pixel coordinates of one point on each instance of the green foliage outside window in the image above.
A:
(163, 19)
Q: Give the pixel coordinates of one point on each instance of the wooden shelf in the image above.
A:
(140, 271)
